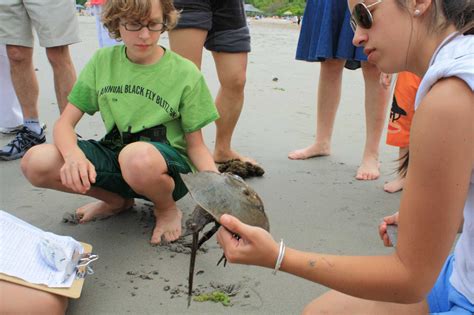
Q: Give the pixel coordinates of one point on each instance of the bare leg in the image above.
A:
(24, 79)
(231, 70)
(376, 102)
(397, 184)
(145, 170)
(334, 302)
(188, 43)
(64, 73)
(41, 166)
(329, 95)
(18, 299)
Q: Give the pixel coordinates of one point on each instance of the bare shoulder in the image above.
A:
(448, 105)
(445, 118)
(452, 94)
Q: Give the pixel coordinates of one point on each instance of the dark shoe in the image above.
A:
(24, 140)
(10, 130)
(15, 130)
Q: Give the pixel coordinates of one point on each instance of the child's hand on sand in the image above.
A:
(254, 247)
(391, 219)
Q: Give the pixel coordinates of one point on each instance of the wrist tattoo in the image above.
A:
(312, 263)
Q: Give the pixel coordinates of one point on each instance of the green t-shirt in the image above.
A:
(133, 97)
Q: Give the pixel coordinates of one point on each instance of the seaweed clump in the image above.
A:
(242, 169)
(215, 296)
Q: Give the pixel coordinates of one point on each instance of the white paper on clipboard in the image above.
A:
(21, 257)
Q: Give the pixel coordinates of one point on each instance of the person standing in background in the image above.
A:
(56, 25)
(401, 115)
(102, 33)
(221, 27)
(11, 119)
(326, 37)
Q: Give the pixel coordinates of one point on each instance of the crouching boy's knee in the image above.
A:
(40, 163)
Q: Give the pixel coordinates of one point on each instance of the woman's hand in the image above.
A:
(391, 219)
(77, 173)
(255, 246)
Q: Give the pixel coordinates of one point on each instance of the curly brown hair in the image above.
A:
(115, 10)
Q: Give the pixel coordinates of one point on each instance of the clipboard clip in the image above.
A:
(81, 265)
(84, 266)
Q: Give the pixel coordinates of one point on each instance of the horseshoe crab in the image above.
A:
(215, 195)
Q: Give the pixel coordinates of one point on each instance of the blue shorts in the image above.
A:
(444, 298)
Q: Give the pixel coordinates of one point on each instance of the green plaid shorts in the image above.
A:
(109, 175)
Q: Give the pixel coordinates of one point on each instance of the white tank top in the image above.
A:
(455, 58)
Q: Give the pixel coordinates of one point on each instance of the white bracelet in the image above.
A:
(279, 260)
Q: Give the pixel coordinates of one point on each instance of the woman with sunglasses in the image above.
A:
(326, 37)
(433, 39)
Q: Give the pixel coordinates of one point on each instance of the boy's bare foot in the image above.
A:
(369, 169)
(222, 157)
(101, 210)
(395, 185)
(314, 150)
(168, 224)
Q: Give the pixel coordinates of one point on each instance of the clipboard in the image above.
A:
(73, 292)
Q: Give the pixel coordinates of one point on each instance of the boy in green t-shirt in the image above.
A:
(153, 104)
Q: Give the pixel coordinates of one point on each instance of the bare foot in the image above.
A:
(368, 170)
(395, 185)
(222, 157)
(313, 150)
(101, 210)
(168, 224)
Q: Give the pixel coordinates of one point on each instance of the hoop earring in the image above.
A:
(416, 12)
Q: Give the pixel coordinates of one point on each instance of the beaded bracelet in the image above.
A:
(279, 260)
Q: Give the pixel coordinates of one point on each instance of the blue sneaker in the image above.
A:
(15, 130)
(10, 130)
(24, 140)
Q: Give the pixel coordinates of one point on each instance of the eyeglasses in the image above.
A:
(361, 15)
(151, 26)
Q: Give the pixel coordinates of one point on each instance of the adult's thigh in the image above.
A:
(189, 43)
(18, 299)
(334, 302)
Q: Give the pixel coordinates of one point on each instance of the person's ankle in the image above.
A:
(33, 125)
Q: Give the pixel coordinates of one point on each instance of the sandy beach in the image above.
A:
(314, 205)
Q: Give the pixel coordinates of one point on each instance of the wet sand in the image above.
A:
(314, 205)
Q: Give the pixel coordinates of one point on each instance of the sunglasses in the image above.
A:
(361, 15)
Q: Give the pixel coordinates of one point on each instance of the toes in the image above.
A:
(367, 175)
(172, 235)
(296, 155)
(156, 237)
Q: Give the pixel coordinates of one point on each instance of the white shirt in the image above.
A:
(455, 58)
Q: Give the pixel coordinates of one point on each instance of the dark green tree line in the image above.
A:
(278, 7)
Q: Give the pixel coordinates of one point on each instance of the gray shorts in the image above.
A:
(224, 20)
(55, 22)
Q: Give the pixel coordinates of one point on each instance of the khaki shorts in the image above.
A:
(55, 22)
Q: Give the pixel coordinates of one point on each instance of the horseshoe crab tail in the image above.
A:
(191, 266)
